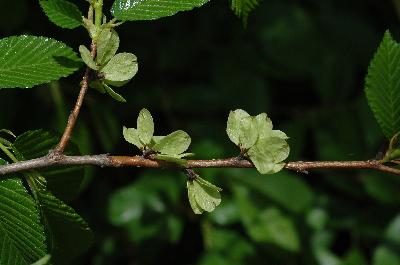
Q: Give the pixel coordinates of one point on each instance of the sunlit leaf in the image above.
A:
(87, 57)
(192, 200)
(121, 68)
(151, 9)
(26, 61)
(131, 136)
(207, 196)
(145, 126)
(234, 123)
(107, 45)
(62, 13)
(173, 144)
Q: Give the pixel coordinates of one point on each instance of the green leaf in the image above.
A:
(28, 60)
(22, 237)
(122, 67)
(192, 200)
(173, 144)
(177, 159)
(268, 154)
(43, 261)
(87, 57)
(113, 94)
(62, 13)
(385, 256)
(107, 45)
(234, 124)
(64, 182)
(68, 234)
(145, 126)
(242, 8)
(266, 225)
(151, 9)
(248, 132)
(392, 233)
(287, 190)
(131, 136)
(264, 124)
(382, 87)
(98, 85)
(206, 195)
(145, 208)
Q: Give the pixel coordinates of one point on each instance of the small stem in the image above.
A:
(54, 159)
(8, 153)
(75, 112)
(98, 14)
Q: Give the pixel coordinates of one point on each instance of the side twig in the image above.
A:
(75, 112)
(52, 160)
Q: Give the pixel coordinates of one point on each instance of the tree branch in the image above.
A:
(55, 159)
(75, 112)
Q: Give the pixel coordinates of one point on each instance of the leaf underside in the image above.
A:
(151, 9)
(382, 85)
(26, 61)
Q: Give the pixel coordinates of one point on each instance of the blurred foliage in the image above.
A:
(303, 63)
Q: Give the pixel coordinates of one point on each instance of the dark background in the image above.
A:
(302, 62)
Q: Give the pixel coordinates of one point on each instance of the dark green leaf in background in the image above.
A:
(26, 61)
(382, 85)
(152, 9)
(67, 233)
(242, 8)
(22, 237)
(64, 182)
(62, 13)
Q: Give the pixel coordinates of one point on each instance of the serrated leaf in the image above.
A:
(107, 45)
(62, 13)
(60, 218)
(87, 57)
(151, 9)
(145, 126)
(192, 200)
(26, 61)
(64, 182)
(122, 67)
(177, 159)
(22, 237)
(382, 86)
(173, 144)
(131, 136)
(234, 123)
(267, 154)
(206, 196)
(113, 94)
(242, 8)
